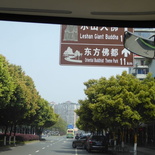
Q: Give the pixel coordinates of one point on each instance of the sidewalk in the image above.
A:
(145, 150)
(128, 150)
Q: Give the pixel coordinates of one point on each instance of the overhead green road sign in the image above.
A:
(139, 45)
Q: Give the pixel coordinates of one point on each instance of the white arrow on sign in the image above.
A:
(125, 52)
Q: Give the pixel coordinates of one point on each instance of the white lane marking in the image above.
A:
(37, 151)
(50, 144)
(47, 145)
(76, 152)
(43, 148)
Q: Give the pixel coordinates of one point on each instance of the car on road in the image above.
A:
(80, 142)
(97, 142)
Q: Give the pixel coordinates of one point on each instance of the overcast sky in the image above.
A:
(36, 48)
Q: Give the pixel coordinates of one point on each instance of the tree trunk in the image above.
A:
(6, 128)
(5, 140)
(9, 140)
(122, 138)
(114, 137)
(14, 136)
(135, 142)
(10, 135)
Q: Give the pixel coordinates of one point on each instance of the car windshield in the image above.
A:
(98, 137)
(60, 80)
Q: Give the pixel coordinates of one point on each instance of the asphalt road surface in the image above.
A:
(54, 145)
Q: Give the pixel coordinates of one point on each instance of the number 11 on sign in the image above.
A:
(122, 61)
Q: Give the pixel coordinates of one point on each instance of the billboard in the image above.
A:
(94, 46)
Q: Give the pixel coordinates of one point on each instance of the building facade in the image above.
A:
(66, 112)
(140, 68)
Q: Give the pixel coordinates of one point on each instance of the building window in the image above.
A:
(142, 70)
(142, 62)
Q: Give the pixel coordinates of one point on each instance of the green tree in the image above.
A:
(85, 121)
(6, 91)
(60, 125)
(115, 99)
(20, 103)
(6, 83)
(44, 117)
(23, 100)
(120, 102)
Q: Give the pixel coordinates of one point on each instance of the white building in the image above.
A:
(140, 68)
(66, 111)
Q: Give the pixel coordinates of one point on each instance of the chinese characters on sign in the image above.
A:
(95, 46)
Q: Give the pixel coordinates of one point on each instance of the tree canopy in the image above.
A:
(20, 102)
(117, 102)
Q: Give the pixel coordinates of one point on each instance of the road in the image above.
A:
(54, 145)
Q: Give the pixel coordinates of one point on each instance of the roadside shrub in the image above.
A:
(21, 137)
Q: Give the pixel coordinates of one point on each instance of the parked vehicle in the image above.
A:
(80, 142)
(77, 136)
(97, 142)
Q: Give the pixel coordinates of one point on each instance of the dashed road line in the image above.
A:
(76, 152)
(53, 144)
